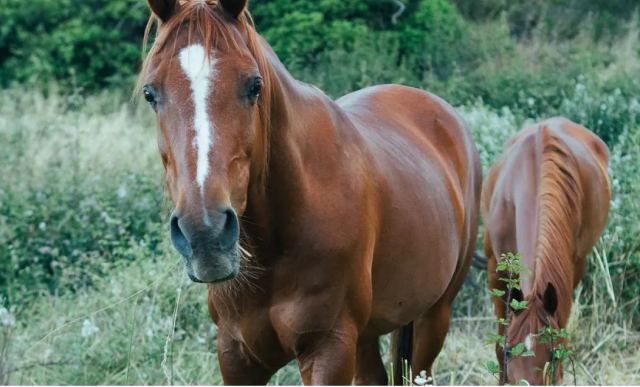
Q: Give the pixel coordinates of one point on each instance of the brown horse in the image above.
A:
(356, 217)
(547, 197)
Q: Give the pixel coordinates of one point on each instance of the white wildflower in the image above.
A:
(122, 192)
(6, 317)
(42, 226)
(89, 329)
(422, 379)
(615, 204)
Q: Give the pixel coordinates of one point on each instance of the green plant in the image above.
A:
(437, 39)
(561, 353)
(510, 267)
(79, 186)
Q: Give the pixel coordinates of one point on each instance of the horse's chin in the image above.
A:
(216, 268)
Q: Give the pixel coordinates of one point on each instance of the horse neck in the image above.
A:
(559, 211)
(301, 118)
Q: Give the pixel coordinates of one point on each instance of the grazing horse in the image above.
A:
(318, 225)
(547, 198)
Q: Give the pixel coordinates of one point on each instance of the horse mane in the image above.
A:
(559, 214)
(205, 20)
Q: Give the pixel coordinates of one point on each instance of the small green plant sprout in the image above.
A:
(510, 268)
(561, 353)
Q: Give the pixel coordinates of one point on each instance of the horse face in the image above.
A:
(206, 104)
(524, 328)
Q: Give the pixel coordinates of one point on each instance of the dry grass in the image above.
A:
(606, 354)
(89, 136)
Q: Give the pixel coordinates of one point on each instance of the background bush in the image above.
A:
(71, 200)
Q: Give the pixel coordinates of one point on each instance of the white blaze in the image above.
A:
(528, 342)
(201, 73)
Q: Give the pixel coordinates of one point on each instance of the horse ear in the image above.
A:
(550, 299)
(234, 7)
(163, 9)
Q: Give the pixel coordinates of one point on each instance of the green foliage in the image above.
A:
(48, 247)
(561, 353)
(510, 268)
(92, 44)
(557, 18)
(437, 38)
(68, 203)
(299, 31)
(613, 282)
(608, 112)
(493, 367)
(79, 42)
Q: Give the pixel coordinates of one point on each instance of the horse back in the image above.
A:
(511, 195)
(421, 118)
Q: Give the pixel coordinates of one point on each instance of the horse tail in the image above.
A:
(402, 348)
(479, 261)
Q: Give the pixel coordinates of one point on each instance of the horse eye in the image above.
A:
(255, 89)
(149, 95)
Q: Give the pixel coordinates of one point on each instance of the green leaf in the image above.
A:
(564, 334)
(519, 305)
(528, 354)
(523, 382)
(517, 349)
(492, 367)
(497, 292)
(493, 338)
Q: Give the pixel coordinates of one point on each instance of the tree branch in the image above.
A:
(401, 8)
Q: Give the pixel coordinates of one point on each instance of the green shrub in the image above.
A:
(77, 191)
(361, 65)
(607, 112)
(437, 38)
(55, 236)
(82, 43)
(610, 290)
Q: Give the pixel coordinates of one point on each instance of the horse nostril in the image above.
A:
(178, 238)
(230, 231)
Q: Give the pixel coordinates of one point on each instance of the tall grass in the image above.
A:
(79, 185)
(108, 302)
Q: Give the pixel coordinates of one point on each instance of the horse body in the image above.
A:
(547, 198)
(421, 160)
(371, 217)
(360, 215)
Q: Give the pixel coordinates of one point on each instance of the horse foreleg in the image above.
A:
(237, 367)
(328, 358)
(369, 367)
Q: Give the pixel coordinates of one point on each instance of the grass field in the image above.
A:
(96, 295)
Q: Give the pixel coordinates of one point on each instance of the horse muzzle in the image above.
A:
(209, 247)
